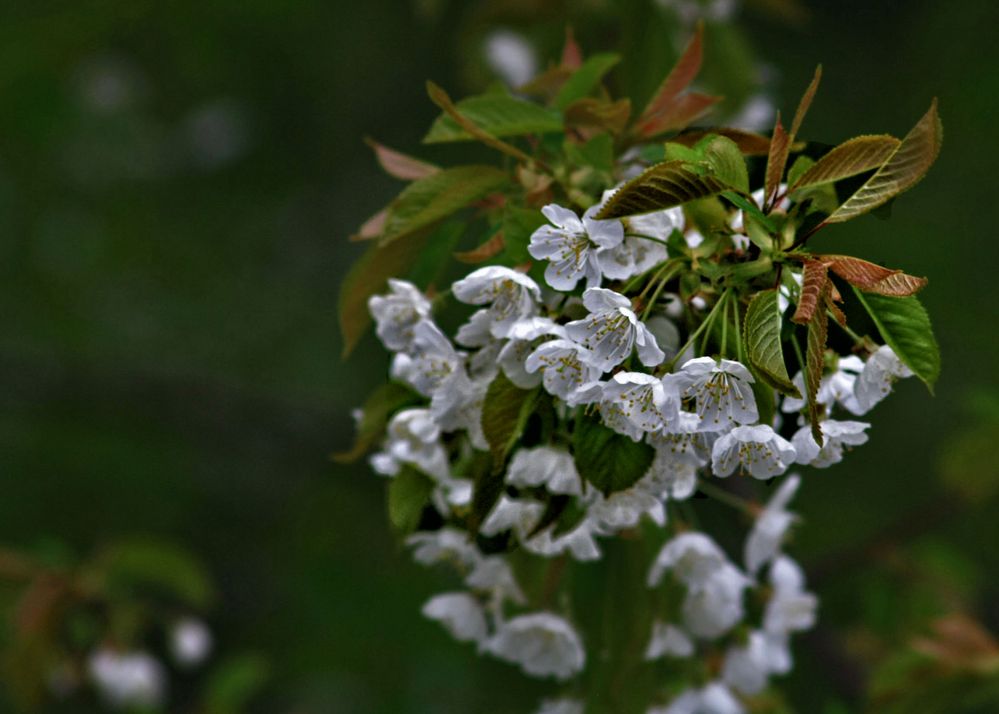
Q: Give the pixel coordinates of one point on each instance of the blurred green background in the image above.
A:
(177, 184)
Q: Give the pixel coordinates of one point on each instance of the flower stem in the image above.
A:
(697, 333)
(726, 497)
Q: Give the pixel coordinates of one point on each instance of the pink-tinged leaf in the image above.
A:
(806, 102)
(685, 111)
(903, 170)
(400, 165)
(664, 99)
(484, 252)
(572, 53)
(852, 157)
(832, 307)
(813, 286)
(874, 278)
(373, 227)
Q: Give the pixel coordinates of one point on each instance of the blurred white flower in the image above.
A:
(444, 545)
(397, 313)
(190, 642)
(771, 525)
(550, 466)
(511, 56)
(461, 615)
(714, 698)
(543, 644)
(127, 679)
(715, 606)
(668, 641)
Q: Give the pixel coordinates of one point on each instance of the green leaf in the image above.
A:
(852, 157)
(435, 197)
(798, 169)
(505, 412)
(158, 566)
(496, 115)
(367, 277)
(665, 185)
(608, 460)
(747, 205)
(726, 161)
(906, 167)
(905, 326)
(409, 493)
(234, 683)
(763, 344)
(585, 79)
(375, 414)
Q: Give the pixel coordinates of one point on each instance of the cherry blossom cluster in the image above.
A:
(597, 345)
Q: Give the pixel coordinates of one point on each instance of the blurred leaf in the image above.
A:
(968, 462)
(598, 114)
(852, 157)
(428, 200)
(375, 414)
(518, 226)
(608, 460)
(873, 278)
(368, 276)
(233, 684)
(905, 327)
(408, 494)
(138, 565)
(585, 79)
(373, 227)
(498, 116)
(763, 343)
(668, 184)
(400, 165)
(907, 165)
(492, 247)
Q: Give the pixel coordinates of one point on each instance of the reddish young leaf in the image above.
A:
(874, 278)
(590, 112)
(779, 149)
(818, 334)
(373, 227)
(813, 286)
(400, 165)
(664, 100)
(572, 53)
(484, 252)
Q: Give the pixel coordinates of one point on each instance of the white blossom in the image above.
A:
(493, 574)
(550, 466)
(579, 542)
(791, 608)
(572, 246)
(565, 367)
(714, 607)
(668, 641)
(190, 642)
(444, 545)
(460, 614)
(771, 525)
(413, 437)
(722, 390)
(714, 698)
(431, 361)
(623, 509)
(511, 56)
(879, 374)
(511, 296)
(636, 403)
(837, 436)
(561, 706)
(518, 515)
(127, 680)
(612, 330)
(543, 644)
(758, 449)
(693, 557)
(397, 313)
(747, 667)
(836, 387)
(523, 339)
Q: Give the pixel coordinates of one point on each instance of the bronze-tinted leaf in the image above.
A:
(903, 170)
(806, 102)
(874, 278)
(813, 285)
(572, 53)
(484, 252)
(400, 165)
(852, 157)
(664, 109)
(599, 114)
(670, 183)
(780, 146)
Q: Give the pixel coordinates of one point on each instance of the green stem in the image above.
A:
(698, 331)
(738, 331)
(639, 235)
(658, 291)
(726, 497)
(853, 335)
